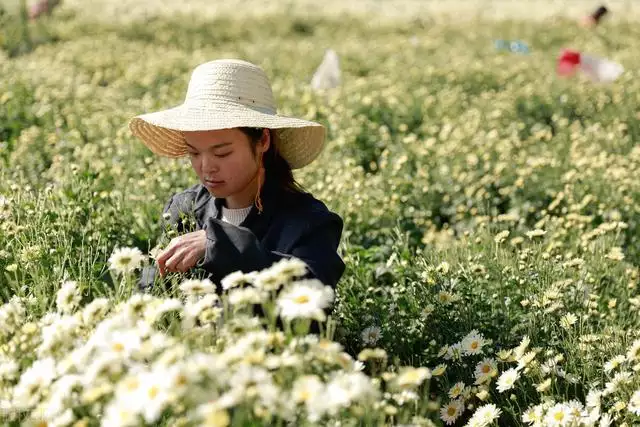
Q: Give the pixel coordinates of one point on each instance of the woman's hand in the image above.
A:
(182, 253)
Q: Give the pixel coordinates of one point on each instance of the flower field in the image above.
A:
(492, 227)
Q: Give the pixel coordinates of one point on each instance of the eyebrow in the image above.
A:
(220, 145)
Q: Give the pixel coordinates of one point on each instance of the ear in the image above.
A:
(265, 140)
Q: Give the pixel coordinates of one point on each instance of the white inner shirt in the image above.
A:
(235, 216)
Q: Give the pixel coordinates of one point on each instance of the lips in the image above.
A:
(212, 182)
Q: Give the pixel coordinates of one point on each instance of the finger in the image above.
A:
(175, 259)
(187, 262)
(166, 254)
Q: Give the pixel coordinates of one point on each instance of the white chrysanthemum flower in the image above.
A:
(634, 403)
(307, 388)
(453, 352)
(236, 280)
(118, 413)
(634, 351)
(559, 415)
(95, 310)
(247, 296)
(606, 420)
(152, 396)
(535, 233)
(58, 334)
(544, 386)
(68, 296)
(212, 415)
(270, 280)
(412, 377)
(34, 382)
(593, 399)
(472, 344)
(568, 320)
(8, 369)
(371, 335)
(347, 388)
(125, 260)
(290, 268)
(618, 379)
(534, 415)
(450, 412)
(485, 415)
(526, 359)
(197, 287)
(154, 311)
(485, 370)
(519, 351)
(507, 380)
(614, 363)
(305, 299)
(456, 390)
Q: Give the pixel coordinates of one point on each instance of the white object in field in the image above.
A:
(327, 76)
(600, 69)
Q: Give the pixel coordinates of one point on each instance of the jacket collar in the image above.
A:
(256, 221)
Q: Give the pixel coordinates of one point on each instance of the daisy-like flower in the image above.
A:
(305, 299)
(125, 260)
(634, 351)
(307, 388)
(450, 412)
(246, 296)
(559, 415)
(212, 415)
(534, 415)
(518, 352)
(615, 254)
(568, 320)
(197, 287)
(454, 352)
(236, 280)
(507, 380)
(593, 399)
(472, 343)
(485, 370)
(68, 296)
(95, 310)
(485, 415)
(412, 377)
(439, 370)
(34, 382)
(290, 268)
(456, 390)
(501, 236)
(535, 233)
(634, 403)
(526, 359)
(617, 380)
(614, 363)
(371, 335)
(544, 385)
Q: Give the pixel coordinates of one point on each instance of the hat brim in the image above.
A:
(298, 141)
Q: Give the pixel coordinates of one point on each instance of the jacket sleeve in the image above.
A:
(314, 241)
(150, 272)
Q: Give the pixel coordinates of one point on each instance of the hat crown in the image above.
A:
(230, 81)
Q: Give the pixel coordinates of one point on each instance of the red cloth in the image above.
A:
(568, 62)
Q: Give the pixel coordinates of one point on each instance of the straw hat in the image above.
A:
(225, 94)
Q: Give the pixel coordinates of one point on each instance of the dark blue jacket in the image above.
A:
(290, 225)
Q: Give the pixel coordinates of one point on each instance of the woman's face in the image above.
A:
(226, 163)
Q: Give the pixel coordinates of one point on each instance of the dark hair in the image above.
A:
(275, 166)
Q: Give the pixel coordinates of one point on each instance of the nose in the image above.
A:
(210, 164)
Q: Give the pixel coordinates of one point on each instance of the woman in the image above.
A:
(248, 210)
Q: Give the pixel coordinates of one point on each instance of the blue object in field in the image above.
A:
(515, 46)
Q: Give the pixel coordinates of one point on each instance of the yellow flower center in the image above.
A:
(118, 346)
(302, 299)
(451, 411)
(153, 392)
(475, 345)
(559, 416)
(125, 260)
(486, 369)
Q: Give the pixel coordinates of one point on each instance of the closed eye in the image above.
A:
(224, 155)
